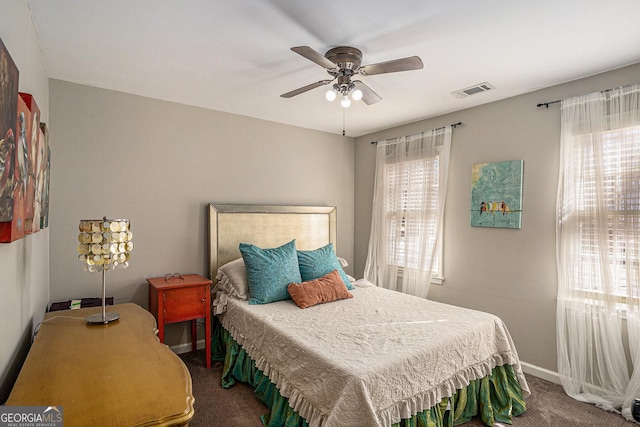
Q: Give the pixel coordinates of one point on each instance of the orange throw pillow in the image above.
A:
(327, 288)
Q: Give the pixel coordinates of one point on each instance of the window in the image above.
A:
(608, 198)
(598, 242)
(407, 211)
(405, 214)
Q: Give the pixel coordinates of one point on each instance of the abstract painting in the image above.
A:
(496, 194)
(11, 226)
(34, 157)
(42, 193)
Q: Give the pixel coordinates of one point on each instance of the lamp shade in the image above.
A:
(105, 244)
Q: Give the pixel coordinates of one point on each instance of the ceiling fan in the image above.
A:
(343, 63)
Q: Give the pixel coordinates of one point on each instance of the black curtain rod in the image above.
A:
(546, 104)
(452, 125)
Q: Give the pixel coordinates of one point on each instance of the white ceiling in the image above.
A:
(234, 55)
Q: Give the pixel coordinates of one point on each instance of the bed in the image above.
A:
(369, 357)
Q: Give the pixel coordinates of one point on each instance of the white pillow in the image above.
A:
(344, 263)
(232, 278)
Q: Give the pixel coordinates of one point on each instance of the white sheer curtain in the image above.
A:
(598, 248)
(408, 207)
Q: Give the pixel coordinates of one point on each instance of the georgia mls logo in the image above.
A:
(30, 416)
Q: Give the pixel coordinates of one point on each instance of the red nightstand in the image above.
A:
(178, 299)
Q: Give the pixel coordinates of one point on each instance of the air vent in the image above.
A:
(481, 87)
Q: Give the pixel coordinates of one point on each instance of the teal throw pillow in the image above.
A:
(321, 261)
(269, 271)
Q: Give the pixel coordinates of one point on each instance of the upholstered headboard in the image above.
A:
(266, 226)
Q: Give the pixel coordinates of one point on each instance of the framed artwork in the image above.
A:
(42, 194)
(35, 156)
(496, 194)
(11, 224)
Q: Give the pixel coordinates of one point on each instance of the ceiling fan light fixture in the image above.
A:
(330, 95)
(345, 62)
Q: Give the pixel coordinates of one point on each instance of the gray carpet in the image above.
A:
(548, 405)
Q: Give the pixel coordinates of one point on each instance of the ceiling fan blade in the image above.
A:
(305, 88)
(368, 95)
(393, 66)
(315, 56)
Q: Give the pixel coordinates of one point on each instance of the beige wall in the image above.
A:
(159, 164)
(24, 264)
(511, 273)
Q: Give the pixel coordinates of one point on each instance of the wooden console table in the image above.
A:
(118, 374)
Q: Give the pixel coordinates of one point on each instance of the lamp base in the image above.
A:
(99, 318)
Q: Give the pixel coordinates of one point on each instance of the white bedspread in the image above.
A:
(372, 359)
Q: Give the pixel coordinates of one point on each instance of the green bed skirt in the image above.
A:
(496, 398)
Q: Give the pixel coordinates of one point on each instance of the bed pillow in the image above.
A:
(269, 271)
(318, 262)
(327, 288)
(232, 278)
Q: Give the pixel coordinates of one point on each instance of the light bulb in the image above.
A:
(345, 102)
(330, 95)
(356, 95)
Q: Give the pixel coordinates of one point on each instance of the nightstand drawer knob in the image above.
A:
(203, 300)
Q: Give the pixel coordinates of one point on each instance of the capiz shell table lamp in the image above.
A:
(105, 244)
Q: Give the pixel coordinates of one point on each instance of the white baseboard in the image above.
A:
(539, 372)
(186, 347)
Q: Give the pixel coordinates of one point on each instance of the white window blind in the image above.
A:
(611, 179)
(405, 214)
